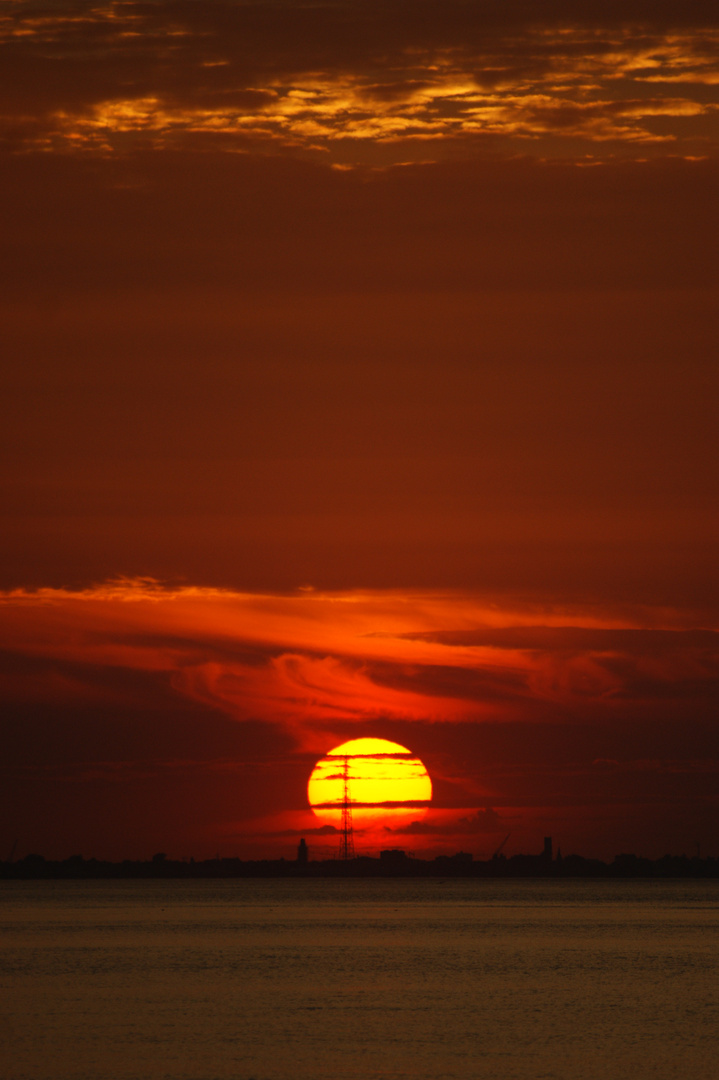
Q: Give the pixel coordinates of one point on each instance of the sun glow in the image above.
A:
(387, 784)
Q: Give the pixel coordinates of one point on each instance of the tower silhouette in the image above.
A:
(347, 842)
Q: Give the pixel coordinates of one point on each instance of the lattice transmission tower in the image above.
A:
(347, 840)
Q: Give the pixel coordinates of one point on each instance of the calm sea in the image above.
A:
(359, 980)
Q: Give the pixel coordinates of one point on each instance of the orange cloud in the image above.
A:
(308, 660)
(467, 76)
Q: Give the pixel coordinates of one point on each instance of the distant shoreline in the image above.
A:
(36, 867)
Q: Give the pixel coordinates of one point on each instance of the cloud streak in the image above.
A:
(310, 661)
(343, 80)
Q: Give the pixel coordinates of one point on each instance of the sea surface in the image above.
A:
(359, 980)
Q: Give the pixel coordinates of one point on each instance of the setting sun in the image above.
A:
(387, 784)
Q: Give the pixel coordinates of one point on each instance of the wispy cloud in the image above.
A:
(342, 78)
(313, 660)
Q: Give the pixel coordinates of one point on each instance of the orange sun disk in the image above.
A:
(387, 784)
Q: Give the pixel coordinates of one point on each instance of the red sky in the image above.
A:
(359, 379)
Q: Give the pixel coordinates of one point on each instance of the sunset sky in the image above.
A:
(359, 380)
